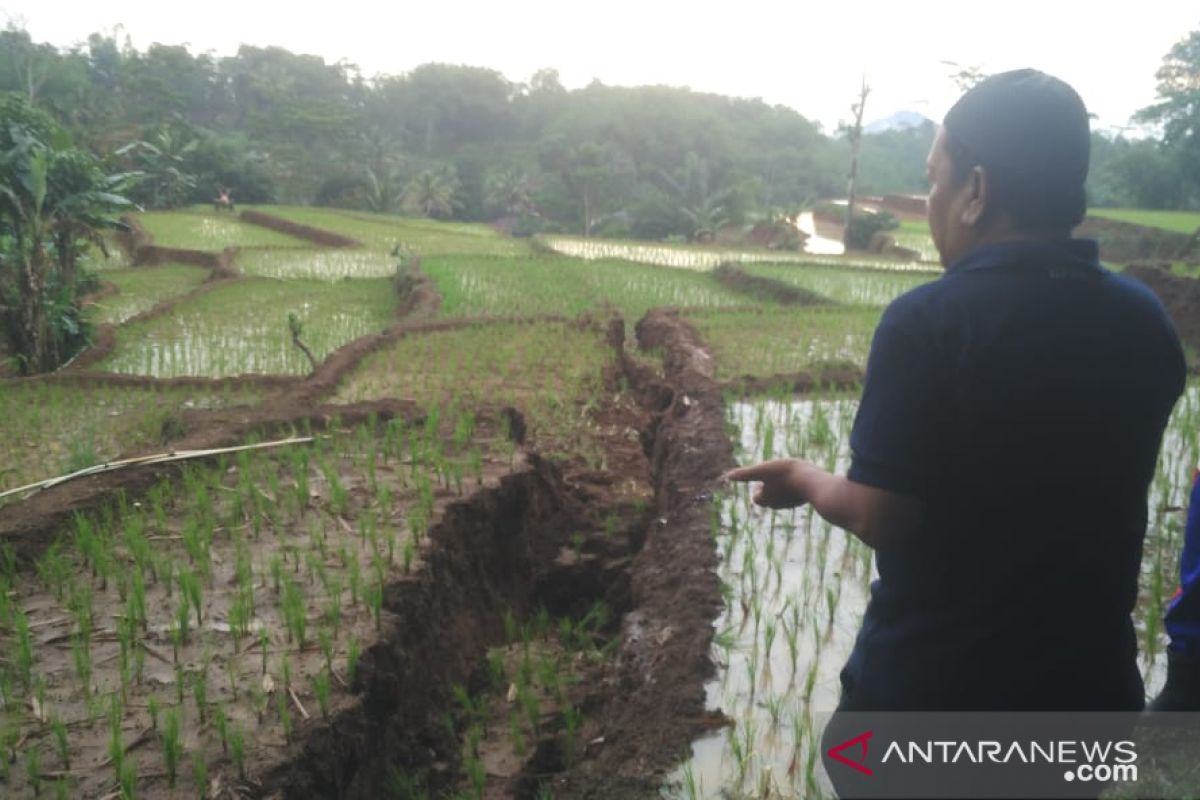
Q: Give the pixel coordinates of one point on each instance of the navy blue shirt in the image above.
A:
(1022, 397)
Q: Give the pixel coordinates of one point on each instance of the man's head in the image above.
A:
(1009, 162)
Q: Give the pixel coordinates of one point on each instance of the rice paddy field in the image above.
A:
(777, 341)
(795, 589)
(242, 329)
(471, 285)
(200, 229)
(49, 429)
(843, 285)
(141, 288)
(441, 538)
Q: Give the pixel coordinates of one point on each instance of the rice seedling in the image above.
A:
(237, 751)
(33, 768)
(172, 746)
(200, 775)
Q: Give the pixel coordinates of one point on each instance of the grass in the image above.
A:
(472, 286)
(382, 232)
(196, 229)
(1175, 221)
(546, 370)
(141, 288)
(242, 328)
(855, 287)
(772, 341)
(48, 429)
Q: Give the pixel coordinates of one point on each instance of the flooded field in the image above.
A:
(243, 328)
(795, 589)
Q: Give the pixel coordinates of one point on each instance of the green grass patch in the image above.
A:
(1188, 269)
(774, 341)
(49, 429)
(1176, 221)
(849, 286)
(326, 265)
(473, 286)
(382, 232)
(550, 371)
(242, 328)
(199, 230)
(142, 288)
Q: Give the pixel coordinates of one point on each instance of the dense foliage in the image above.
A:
(447, 141)
(466, 143)
(55, 202)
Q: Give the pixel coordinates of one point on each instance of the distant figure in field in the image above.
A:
(223, 201)
(1006, 438)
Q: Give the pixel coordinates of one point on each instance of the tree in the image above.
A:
(510, 192)
(161, 159)
(55, 202)
(854, 133)
(1178, 109)
(433, 193)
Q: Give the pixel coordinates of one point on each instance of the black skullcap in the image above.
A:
(1030, 131)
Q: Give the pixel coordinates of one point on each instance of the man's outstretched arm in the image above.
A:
(876, 516)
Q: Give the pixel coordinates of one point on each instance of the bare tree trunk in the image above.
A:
(855, 143)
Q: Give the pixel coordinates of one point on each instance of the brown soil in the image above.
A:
(1179, 294)
(306, 232)
(739, 280)
(657, 704)
(1123, 242)
(831, 376)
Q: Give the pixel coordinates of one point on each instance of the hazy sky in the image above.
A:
(807, 55)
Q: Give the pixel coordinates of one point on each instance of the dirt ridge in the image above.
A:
(308, 233)
(658, 706)
(738, 279)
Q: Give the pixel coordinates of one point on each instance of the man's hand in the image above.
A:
(782, 482)
(876, 516)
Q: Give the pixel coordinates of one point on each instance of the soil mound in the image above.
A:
(1180, 295)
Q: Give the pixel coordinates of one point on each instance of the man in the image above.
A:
(1006, 437)
(1182, 689)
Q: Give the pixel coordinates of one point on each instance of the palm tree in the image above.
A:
(510, 192)
(383, 191)
(162, 159)
(433, 193)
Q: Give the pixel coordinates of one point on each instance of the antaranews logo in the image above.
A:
(1086, 760)
(860, 741)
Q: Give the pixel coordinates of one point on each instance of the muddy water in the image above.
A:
(791, 577)
(818, 245)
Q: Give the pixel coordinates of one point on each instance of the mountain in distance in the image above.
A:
(899, 121)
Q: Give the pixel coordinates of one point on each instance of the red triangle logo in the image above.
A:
(861, 740)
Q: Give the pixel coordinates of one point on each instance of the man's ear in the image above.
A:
(977, 197)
